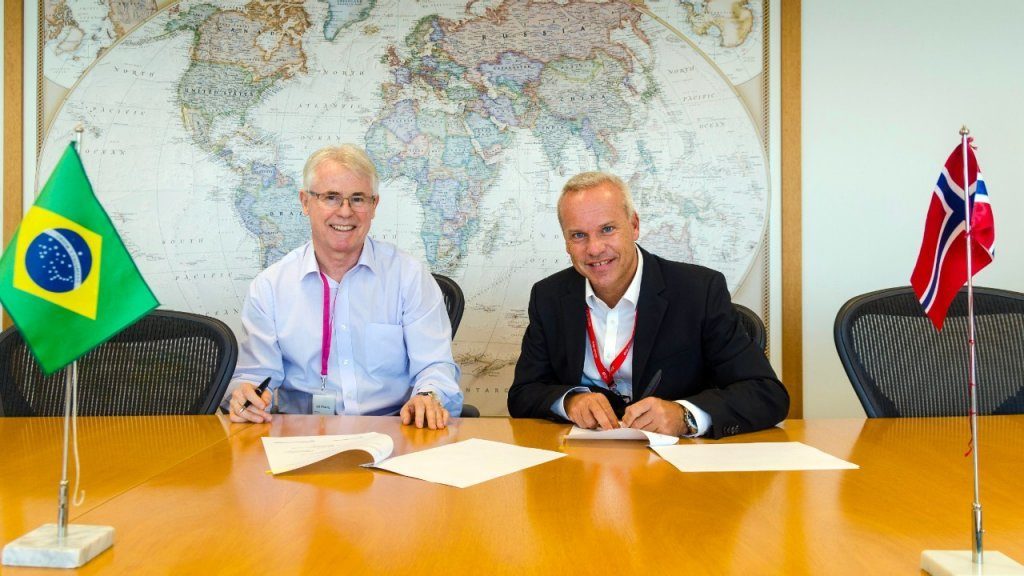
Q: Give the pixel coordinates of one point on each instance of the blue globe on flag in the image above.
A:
(58, 260)
(50, 273)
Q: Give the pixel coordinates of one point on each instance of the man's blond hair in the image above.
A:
(587, 180)
(347, 156)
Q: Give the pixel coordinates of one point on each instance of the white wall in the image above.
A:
(886, 87)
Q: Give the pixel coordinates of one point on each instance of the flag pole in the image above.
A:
(977, 549)
(959, 562)
(70, 381)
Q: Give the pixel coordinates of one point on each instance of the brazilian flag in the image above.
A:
(66, 278)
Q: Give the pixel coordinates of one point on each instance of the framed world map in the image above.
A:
(198, 117)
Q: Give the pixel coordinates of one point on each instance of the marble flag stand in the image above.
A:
(61, 545)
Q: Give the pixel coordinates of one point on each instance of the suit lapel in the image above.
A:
(574, 326)
(650, 312)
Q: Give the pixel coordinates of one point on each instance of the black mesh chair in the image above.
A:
(900, 366)
(166, 363)
(455, 302)
(752, 323)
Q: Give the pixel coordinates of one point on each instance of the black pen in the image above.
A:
(259, 392)
(653, 385)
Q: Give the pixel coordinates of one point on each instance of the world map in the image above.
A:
(198, 121)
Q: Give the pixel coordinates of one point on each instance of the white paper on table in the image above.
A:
(466, 463)
(286, 453)
(750, 457)
(653, 438)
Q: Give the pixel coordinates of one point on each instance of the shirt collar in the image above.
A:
(367, 258)
(632, 294)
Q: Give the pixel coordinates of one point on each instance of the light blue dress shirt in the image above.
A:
(391, 334)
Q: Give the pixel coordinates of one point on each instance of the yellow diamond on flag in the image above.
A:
(58, 260)
(50, 272)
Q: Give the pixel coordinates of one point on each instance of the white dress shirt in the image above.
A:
(613, 328)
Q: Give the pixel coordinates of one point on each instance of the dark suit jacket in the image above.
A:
(686, 327)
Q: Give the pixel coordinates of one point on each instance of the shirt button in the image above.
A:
(344, 327)
(344, 362)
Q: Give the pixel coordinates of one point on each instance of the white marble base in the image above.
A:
(40, 548)
(958, 562)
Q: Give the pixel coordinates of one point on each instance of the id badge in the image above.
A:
(323, 404)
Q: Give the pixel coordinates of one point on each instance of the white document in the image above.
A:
(286, 453)
(653, 438)
(466, 463)
(750, 457)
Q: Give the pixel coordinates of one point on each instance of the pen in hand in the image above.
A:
(259, 392)
(652, 386)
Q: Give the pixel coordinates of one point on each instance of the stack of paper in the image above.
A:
(460, 464)
(286, 453)
(653, 438)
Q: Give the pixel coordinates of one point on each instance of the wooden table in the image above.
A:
(191, 495)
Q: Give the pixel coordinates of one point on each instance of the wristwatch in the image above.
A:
(430, 393)
(690, 422)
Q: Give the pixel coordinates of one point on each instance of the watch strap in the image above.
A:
(430, 393)
(690, 422)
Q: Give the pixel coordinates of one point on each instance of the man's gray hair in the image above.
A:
(347, 156)
(588, 180)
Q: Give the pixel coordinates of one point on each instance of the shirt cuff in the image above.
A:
(441, 396)
(559, 405)
(444, 398)
(702, 418)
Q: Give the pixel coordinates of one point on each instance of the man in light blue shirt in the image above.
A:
(345, 324)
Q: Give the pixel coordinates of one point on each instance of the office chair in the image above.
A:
(455, 302)
(166, 363)
(900, 366)
(755, 328)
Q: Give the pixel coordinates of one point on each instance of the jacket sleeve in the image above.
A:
(536, 385)
(745, 394)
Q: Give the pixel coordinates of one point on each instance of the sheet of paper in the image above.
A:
(466, 463)
(653, 438)
(750, 457)
(287, 453)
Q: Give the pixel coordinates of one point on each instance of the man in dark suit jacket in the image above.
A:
(679, 334)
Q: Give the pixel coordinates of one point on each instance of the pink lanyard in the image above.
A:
(328, 329)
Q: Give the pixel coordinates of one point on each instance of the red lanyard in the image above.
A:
(607, 374)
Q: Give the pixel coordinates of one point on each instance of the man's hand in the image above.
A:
(256, 411)
(424, 410)
(655, 415)
(591, 410)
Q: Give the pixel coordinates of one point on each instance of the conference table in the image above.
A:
(193, 495)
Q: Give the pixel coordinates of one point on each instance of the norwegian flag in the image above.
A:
(941, 268)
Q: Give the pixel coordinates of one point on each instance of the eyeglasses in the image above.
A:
(333, 200)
